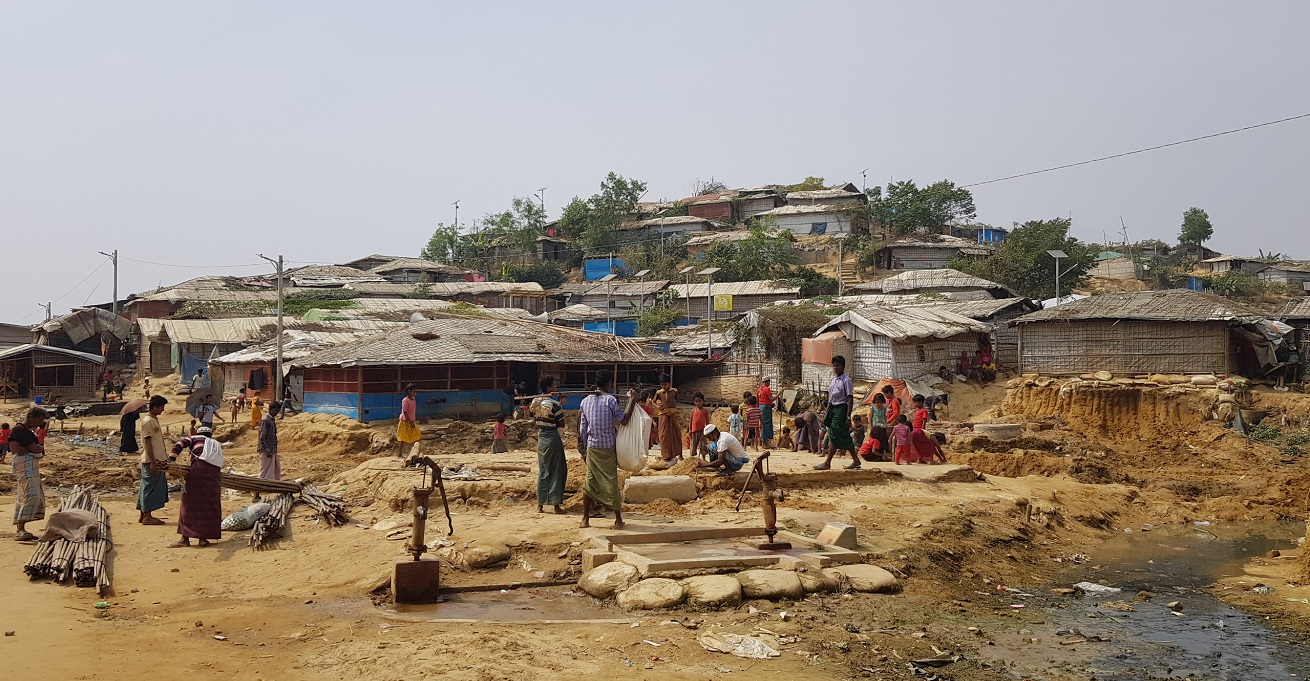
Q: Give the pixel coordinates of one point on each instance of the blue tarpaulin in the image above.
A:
(192, 364)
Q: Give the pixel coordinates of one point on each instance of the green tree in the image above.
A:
(1236, 283)
(656, 319)
(809, 184)
(1021, 261)
(904, 207)
(780, 329)
(765, 254)
(544, 273)
(443, 245)
(516, 228)
(1196, 227)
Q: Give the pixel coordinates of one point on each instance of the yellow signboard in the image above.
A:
(723, 303)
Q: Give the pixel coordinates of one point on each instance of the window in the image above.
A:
(55, 376)
(923, 353)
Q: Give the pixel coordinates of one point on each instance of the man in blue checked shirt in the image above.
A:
(597, 436)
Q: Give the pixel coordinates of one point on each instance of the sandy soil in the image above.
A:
(306, 608)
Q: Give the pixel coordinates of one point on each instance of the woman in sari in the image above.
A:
(921, 445)
(201, 516)
(407, 431)
(29, 502)
(666, 408)
(256, 412)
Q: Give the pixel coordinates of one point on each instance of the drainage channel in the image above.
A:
(1121, 635)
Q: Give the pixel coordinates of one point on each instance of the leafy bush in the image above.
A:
(810, 281)
(656, 319)
(1236, 283)
(300, 302)
(781, 329)
(545, 273)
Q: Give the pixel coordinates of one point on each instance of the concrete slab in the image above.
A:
(839, 534)
(644, 489)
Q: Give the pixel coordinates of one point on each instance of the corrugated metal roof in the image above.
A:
(696, 343)
(1179, 305)
(838, 193)
(936, 241)
(325, 271)
(738, 288)
(88, 322)
(803, 210)
(27, 347)
(578, 313)
(716, 197)
(1298, 308)
(252, 329)
(628, 288)
(461, 340)
(916, 280)
(718, 237)
(977, 309)
(448, 288)
(396, 264)
(295, 344)
(672, 221)
(904, 322)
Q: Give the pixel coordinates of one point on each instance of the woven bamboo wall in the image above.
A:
(1124, 347)
(915, 360)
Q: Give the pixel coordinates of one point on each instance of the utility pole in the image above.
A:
(456, 205)
(708, 272)
(864, 181)
(113, 257)
(277, 368)
(47, 310)
(541, 196)
(687, 271)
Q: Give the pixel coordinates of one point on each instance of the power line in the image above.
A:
(170, 264)
(1140, 151)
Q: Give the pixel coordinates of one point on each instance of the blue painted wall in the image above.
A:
(346, 404)
(618, 327)
(458, 404)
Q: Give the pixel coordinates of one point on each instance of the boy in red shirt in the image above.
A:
(700, 417)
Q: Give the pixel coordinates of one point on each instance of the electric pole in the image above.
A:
(113, 257)
(277, 367)
(47, 310)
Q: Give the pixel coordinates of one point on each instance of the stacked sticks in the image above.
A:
(331, 509)
(268, 527)
(86, 561)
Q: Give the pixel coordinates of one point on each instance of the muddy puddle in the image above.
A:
(524, 606)
(1130, 635)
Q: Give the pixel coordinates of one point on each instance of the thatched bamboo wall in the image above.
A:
(1123, 347)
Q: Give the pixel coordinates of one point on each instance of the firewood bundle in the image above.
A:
(268, 527)
(332, 509)
(85, 561)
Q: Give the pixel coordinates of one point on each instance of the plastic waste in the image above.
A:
(1094, 588)
(245, 518)
(633, 441)
(736, 644)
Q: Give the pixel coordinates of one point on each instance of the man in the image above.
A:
(29, 504)
(270, 466)
(552, 469)
(597, 437)
(726, 450)
(154, 461)
(407, 432)
(288, 399)
(807, 432)
(207, 411)
(841, 396)
(765, 396)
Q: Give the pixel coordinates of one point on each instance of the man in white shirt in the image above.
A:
(728, 454)
(207, 411)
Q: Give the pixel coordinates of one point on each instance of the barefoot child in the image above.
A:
(498, 431)
(754, 423)
(901, 441)
(734, 423)
(785, 442)
(700, 417)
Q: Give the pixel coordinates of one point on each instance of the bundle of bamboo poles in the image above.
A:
(331, 509)
(85, 561)
(268, 527)
(241, 483)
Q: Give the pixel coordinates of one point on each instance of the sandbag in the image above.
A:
(245, 518)
(633, 442)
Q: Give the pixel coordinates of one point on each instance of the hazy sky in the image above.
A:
(200, 134)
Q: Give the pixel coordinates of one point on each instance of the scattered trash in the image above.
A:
(852, 628)
(736, 644)
(651, 643)
(1118, 605)
(1017, 606)
(1262, 589)
(724, 670)
(939, 661)
(219, 638)
(1300, 600)
(750, 609)
(102, 605)
(1172, 605)
(1093, 588)
(785, 616)
(10, 633)
(1013, 590)
(1202, 523)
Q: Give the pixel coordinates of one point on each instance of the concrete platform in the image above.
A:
(796, 469)
(677, 549)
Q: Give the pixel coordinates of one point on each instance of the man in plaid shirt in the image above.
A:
(597, 436)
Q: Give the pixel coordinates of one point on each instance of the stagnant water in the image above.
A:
(1076, 639)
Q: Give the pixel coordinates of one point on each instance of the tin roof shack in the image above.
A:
(843, 196)
(1115, 265)
(576, 316)
(1294, 274)
(1175, 331)
(812, 218)
(1297, 314)
(552, 249)
(670, 226)
(255, 365)
(29, 370)
(1226, 263)
(90, 330)
(946, 282)
(716, 206)
(732, 299)
(401, 309)
(926, 252)
(996, 315)
(904, 342)
(418, 271)
(624, 298)
(207, 297)
(461, 366)
(529, 295)
(12, 335)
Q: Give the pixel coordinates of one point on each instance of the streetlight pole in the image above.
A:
(113, 257)
(541, 196)
(841, 281)
(456, 205)
(609, 319)
(708, 272)
(1057, 254)
(687, 271)
(47, 310)
(277, 378)
(641, 302)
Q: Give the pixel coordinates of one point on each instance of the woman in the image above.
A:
(922, 446)
(552, 470)
(127, 429)
(666, 408)
(841, 396)
(407, 431)
(201, 516)
(256, 412)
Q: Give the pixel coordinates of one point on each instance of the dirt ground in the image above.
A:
(1090, 464)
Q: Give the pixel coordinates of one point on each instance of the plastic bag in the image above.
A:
(633, 441)
(245, 518)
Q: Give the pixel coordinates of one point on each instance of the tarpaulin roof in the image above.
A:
(905, 322)
(1177, 305)
(87, 323)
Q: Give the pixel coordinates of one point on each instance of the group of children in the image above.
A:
(746, 422)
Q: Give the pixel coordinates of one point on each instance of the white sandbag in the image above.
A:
(245, 518)
(633, 441)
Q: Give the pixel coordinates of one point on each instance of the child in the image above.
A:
(700, 417)
(4, 441)
(871, 450)
(857, 430)
(745, 403)
(147, 387)
(193, 427)
(734, 422)
(939, 444)
(644, 402)
(785, 442)
(901, 441)
(498, 444)
(754, 422)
